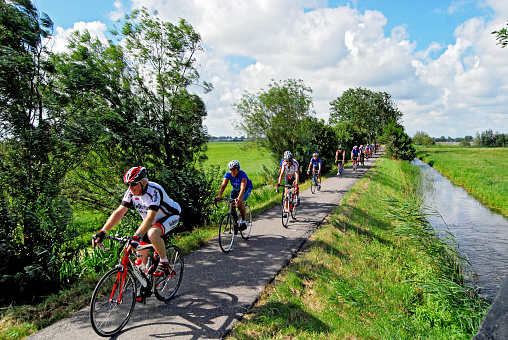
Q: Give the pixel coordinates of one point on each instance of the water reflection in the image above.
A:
(482, 235)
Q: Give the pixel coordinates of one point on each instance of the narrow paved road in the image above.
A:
(217, 288)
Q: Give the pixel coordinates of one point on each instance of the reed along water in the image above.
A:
(482, 235)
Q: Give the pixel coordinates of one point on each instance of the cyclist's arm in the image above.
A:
(281, 172)
(297, 178)
(147, 222)
(310, 165)
(115, 217)
(223, 187)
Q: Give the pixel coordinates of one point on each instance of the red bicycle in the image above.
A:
(116, 293)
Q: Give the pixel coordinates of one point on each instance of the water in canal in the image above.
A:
(482, 235)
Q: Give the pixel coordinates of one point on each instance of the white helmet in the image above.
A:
(288, 156)
(234, 165)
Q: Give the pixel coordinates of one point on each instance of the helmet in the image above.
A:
(356, 147)
(288, 156)
(340, 147)
(315, 154)
(361, 146)
(234, 165)
(135, 174)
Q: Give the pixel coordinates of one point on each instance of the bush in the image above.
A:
(398, 143)
(421, 138)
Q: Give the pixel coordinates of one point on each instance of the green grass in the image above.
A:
(251, 158)
(483, 172)
(370, 274)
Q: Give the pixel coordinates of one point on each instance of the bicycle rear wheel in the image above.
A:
(248, 216)
(166, 287)
(109, 314)
(226, 233)
(285, 214)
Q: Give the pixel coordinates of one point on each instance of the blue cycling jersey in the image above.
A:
(237, 181)
(316, 162)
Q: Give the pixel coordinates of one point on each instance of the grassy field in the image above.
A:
(370, 274)
(251, 159)
(483, 172)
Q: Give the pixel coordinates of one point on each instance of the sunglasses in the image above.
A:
(132, 184)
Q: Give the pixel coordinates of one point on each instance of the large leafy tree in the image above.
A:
(369, 111)
(279, 118)
(40, 142)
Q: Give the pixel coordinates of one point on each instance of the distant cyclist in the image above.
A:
(160, 214)
(315, 164)
(292, 169)
(242, 188)
(362, 154)
(355, 153)
(340, 159)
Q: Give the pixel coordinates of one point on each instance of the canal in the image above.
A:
(482, 235)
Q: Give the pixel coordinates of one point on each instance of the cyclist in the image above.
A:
(315, 163)
(340, 159)
(291, 167)
(242, 188)
(160, 214)
(362, 154)
(354, 155)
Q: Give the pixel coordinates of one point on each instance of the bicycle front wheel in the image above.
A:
(226, 233)
(110, 312)
(313, 185)
(248, 216)
(285, 213)
(166, 287)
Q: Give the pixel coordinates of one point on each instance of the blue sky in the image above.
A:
(437, 59)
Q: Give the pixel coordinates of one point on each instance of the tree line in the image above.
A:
(71, 123)
(486, 138)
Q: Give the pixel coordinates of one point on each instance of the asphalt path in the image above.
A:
(217, 288)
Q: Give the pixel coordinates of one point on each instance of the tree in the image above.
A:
(422, 138)
(279, 118)
(502, 37)
(39, 143)
(370, 111)
(398, 143)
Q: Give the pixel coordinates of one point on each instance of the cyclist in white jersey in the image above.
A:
(291, 167)
(160, 214)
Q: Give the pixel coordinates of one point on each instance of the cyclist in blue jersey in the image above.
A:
(355, 153)
(242, 188)
(315, 163)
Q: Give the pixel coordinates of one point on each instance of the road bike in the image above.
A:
(355, 165)
(289, 204)
(340, 169)
(315, 182)
(116, 293)
(230, 225)
(362, 160)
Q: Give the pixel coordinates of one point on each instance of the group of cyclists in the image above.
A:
(160, 214)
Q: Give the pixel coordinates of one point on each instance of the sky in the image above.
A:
(436, 58)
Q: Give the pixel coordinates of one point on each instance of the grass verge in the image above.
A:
(483, 172)
(374, 271)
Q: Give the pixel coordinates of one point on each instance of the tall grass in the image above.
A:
(376, 270)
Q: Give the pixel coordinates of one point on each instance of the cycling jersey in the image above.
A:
(153, 198)
(316, 162)
(290, 170)
(355, 153)
(339, 156)
(237, 181)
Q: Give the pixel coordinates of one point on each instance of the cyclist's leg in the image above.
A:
(241, 203)
(158, 229)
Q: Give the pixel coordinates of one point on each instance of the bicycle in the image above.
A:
(290, 201)
(315, 184)
(355, 165)
(340, 169)
(115, 295)
(230, 225)
(362, 160)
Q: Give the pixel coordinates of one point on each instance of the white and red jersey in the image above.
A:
(290, 169)
(153, 198)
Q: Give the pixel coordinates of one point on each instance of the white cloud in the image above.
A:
(60, 38)
(118, 13)
(445, 90)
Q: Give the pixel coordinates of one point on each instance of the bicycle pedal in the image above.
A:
(141, 300)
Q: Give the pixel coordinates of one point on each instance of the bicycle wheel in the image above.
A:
(285, 215)
(313, 185)
(293, 211)
(165, 288)
(248, 216)
(226, 233)
(108, 315)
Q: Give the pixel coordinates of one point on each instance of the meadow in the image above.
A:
(483, 172)
(376, 270)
